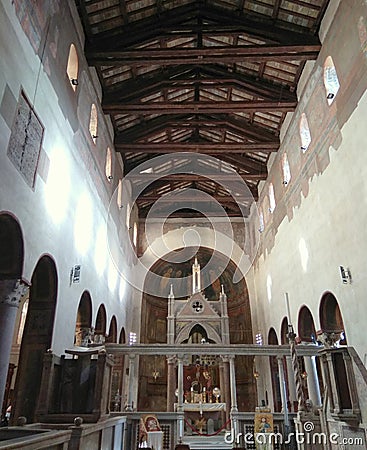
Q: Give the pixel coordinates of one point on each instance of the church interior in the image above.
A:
(183, 187)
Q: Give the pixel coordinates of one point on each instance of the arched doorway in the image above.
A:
(331, 320)
(273, 340)
(11, 268)
(37, 338)
(83, 319)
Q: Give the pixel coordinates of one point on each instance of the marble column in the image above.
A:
(233, 387)
(225, 388)
(180, 420)
(222, 384)
(171, 383)
(130, 391)
(283, 390)
(312, 380)
(11, 292)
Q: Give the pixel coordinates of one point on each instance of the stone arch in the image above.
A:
(11, 268)
(306, 325)
(12, 247)
(284, 331)
(83, 318)
(37, 338)
(101, 321)
(210, 332)
(112, 331)
(273, 340)
(331, 319)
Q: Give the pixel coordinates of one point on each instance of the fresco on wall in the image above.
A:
(179, 275)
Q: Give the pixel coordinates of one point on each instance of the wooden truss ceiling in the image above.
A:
(215, 77)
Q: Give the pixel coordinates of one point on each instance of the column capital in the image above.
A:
(12, 291)
(171, 359)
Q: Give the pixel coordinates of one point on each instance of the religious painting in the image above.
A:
(264, 422)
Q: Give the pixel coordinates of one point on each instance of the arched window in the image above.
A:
(135, 234)
(128, 212)
(272, 203)
(286, 170)
(108, 168)
(304, 132)
(93, 123)
(72, 67)
(331, 81)
(261, 221)
(119, 194)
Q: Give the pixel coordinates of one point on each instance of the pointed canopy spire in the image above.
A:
(196, 282)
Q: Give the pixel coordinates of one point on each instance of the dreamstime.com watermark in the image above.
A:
(307, 437)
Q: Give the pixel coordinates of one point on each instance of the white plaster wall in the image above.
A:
(48, 214)
(327, 230)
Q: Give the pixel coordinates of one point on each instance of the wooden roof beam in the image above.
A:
(174, 198)
(199, 107)
(216, 177)
(211, 148)
(204, 55)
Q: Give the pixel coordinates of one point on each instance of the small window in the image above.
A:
(259, 339)
(128, 211)
(93, 123)
(331, 81)
(261, 222)
(272, 203)
(108, 168)
(132, 338)
(72, 67)
(135, 234)
(119, 194)
(305, 134)
(286, 170)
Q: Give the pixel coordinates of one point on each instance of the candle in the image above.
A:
(287, 306)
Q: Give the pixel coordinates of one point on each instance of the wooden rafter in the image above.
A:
(198, 107)
(209, 55)
(200, 147)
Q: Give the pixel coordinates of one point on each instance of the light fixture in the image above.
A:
(256, 374)
(74, 81)
(304, 375)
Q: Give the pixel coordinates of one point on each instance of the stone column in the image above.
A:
(11, 292)
(180, 420)
(130, 391)
(171, 383)
(225, 387)
(234, 408)
(291, 383)
(283, 390)
(221, 387)
(312, 380)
